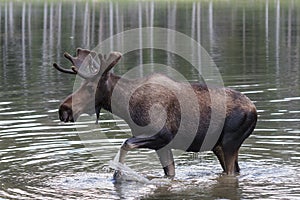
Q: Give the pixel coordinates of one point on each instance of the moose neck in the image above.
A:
(112, 93)
(104, 91)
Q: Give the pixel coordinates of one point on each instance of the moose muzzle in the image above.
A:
(65, 114)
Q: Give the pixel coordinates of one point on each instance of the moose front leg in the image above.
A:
(133, 143)
(156, 142)
(167, 161)
(128, 145)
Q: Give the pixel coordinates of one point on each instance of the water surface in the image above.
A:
(255, 46)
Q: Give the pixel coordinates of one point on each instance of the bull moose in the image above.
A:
(145, 93)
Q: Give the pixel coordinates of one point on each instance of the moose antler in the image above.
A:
(95, 63)
(91, 63)
(67, 71)
(81, 55)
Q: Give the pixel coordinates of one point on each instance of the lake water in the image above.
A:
(255, 44)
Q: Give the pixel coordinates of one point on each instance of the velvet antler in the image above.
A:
(89, 62)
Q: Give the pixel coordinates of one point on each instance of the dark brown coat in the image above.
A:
(161, 113)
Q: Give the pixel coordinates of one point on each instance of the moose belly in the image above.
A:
(204, 139)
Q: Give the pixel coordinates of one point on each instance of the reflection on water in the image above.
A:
(255, 45)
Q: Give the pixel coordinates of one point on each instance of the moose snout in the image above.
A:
(65, 114)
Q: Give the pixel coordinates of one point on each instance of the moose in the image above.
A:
(151, 103)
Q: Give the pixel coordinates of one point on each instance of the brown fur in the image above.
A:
(159, 94)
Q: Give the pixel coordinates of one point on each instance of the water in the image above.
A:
(254, 44)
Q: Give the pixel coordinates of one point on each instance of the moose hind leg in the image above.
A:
(233, 139)
(218, 151)
(231, 163)
(237, 167)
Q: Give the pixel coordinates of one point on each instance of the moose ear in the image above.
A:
(107, 63)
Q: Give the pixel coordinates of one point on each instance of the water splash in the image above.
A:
(127, 174)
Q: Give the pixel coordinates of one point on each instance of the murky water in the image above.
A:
(255, 45)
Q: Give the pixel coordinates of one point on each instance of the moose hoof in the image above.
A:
(117, 175)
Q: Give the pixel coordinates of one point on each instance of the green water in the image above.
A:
(256, 46)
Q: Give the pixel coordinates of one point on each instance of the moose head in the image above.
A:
(92, 67)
